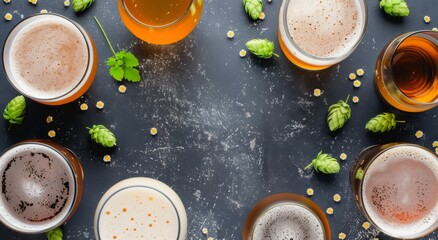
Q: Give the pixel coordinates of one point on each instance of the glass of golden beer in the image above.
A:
(407, 71)
(50, 59)
(286, 216)
(395, 186)
(160, 22)
(42, 185)
(315, 34)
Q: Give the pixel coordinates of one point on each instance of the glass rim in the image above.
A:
(179, 19)
(401, 144)
(363, 8)
(75, 189)
(97, 220)
(83, 77)
(406, 36)
(271, 201)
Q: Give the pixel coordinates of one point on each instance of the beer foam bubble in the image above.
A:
(325, 28)
(37, 188)
(48, 57)
(400, 191)
(137, 213)
(288, 221)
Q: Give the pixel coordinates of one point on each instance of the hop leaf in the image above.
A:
(55, 234)
(81, 5)
(359, 174)
(14, 111)
(338, 114)
(395, 8)
(253, 8)
(123, 66)
(262, 48)
(383, 122)
(325, 163)
(102, 135)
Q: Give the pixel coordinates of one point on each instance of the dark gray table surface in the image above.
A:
(231, 130)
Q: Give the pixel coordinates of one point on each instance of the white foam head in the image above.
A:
(400, 192)
(46, 56)
(288, 220)
(38, 188)
(140, 208)
(322, 32)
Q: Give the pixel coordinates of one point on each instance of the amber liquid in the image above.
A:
(407, 72)
(160, 22)
(414, 67)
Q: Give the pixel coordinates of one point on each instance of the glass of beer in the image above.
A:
(160, 22)
(396, 189)
(42, 184)
(286, 216)
(50, 59)
(140, 208)
(407, 71)
(315, 34)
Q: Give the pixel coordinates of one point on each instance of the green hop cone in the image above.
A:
(14, 111)
(262, 48)
(102, 135)
(383, 122)
(325, 163)
(395, 8)
(81, 5)
(253, 8)
(338, 114)
(55, 234)
(359, 174)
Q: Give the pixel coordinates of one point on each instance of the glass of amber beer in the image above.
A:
(315, 34)
(50, 59)
(395, 186)
(407, 71)
(160, 22)
(42, 185)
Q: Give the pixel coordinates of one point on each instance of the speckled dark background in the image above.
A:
(231, 130)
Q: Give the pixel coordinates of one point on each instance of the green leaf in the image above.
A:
(120, 54)
(132, 74)
(54, 234)
(117, 73)
(111, 62)
(130, 60)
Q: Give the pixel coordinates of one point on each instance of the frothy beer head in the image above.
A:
(325, 29)
(400, 191)
(46, 57)
(288, 220)
(37, 188)
(140, 208)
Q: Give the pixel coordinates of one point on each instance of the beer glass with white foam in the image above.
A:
(396, 189)
(286, 216)
(140, 208)
(315, 34)
(50, 59)
(41, 186)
